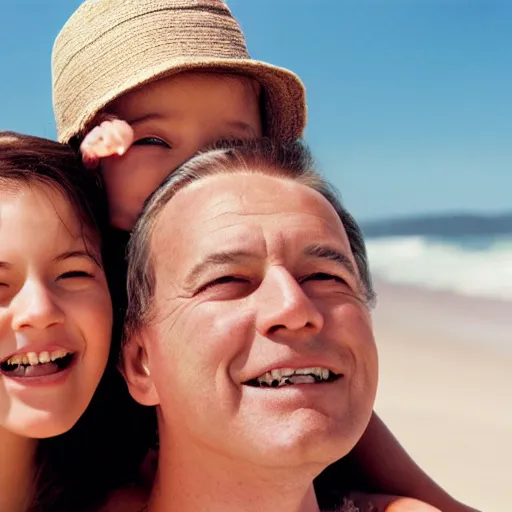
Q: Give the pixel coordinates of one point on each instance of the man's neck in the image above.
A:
(195, 479)
(16, 471)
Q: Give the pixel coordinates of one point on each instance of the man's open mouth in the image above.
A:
(32, 364)
(292, 376)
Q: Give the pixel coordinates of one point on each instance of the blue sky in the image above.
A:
(410, 107)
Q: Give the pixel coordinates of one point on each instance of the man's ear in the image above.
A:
(136, 372)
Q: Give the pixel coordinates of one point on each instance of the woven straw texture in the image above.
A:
(110, 47)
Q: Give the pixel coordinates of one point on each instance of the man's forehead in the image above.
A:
(242, 213)
(249, 194)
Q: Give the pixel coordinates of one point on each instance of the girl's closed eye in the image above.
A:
(77, 280)
(152, 141)
(76, 274)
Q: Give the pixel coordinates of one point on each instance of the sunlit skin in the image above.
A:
(161, 125)
(115, 137)
(272, 298)
(53, 296)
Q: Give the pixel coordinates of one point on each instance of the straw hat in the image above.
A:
(110, 47)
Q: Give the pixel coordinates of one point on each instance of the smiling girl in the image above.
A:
(55, 323)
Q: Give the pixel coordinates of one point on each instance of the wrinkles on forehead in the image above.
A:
(223, 220)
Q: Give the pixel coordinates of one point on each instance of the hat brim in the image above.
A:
(285, 113)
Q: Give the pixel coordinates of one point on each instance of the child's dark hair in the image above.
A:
(33, 161)
(104, 450)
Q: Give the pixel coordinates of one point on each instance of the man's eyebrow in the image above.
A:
(77, 254)
(216, 258)
(329, 253)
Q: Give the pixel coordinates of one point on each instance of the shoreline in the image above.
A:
(445, 388)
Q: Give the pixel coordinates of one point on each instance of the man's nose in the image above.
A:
(283, 306)
(35, 306)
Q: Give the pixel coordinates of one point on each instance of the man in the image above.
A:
(249, 328)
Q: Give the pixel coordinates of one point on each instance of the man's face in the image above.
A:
(261, 345)
(172, 119)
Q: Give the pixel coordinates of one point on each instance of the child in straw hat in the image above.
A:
(179, 74)
(145, 84)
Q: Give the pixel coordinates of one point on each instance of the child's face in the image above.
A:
(55, 312)
(172, 119)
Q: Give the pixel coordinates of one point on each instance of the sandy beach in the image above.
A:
(446, 388)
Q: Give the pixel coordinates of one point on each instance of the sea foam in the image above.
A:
(474, 266)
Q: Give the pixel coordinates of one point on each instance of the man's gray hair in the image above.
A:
(291, 161)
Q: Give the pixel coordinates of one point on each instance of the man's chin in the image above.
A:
(310, 440)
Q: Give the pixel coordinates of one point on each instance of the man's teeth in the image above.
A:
(33, 358)
(286, 376)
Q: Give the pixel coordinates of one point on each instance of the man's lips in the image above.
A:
(281, 375)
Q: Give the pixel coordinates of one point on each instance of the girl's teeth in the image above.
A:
(16, 360)
(58, 354)
(33, 358)
(44, 357)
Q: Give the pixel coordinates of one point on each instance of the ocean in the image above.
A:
(467, 254)
(476, 265)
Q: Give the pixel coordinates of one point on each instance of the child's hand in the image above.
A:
(410, 505)
(111, 137)
(366, 502)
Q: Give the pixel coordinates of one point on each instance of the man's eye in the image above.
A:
(75, 273)
(322, 276)
(151, 141)
(224, 280)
